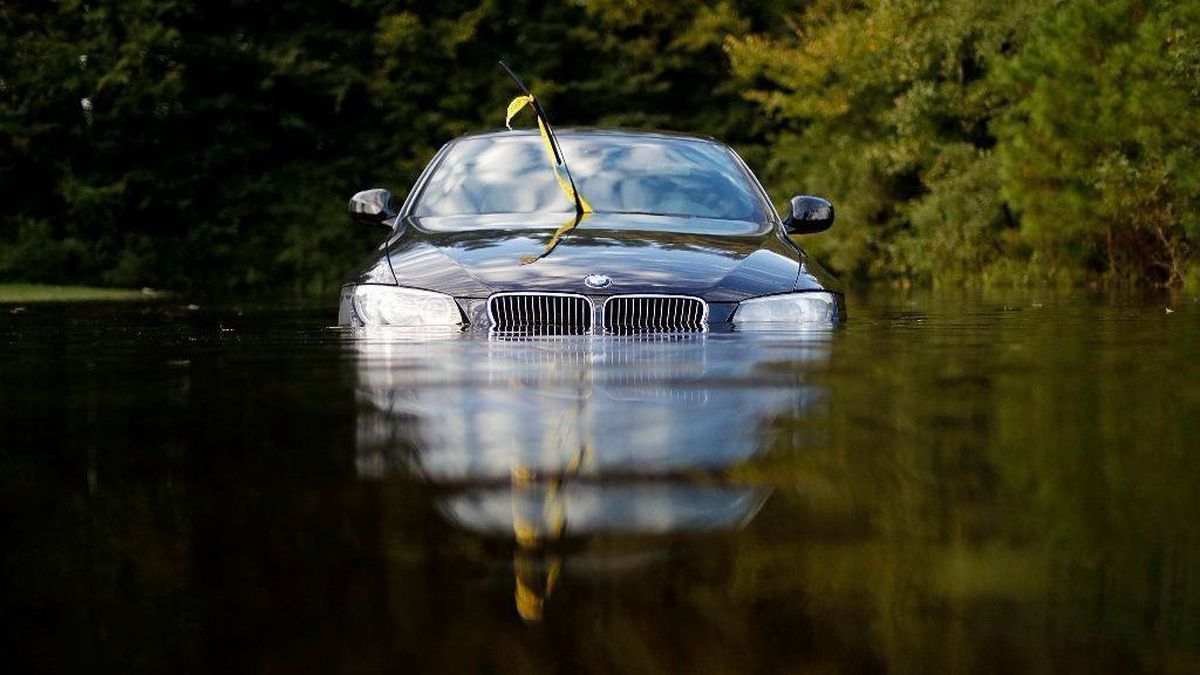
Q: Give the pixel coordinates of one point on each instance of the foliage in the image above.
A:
(1099, 150)
(967, 135)
(212, 145)
(885, 107)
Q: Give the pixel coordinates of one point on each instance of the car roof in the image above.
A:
(594, 131)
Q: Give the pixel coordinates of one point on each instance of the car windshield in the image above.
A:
(614, 173)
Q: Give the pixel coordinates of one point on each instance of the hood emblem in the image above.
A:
(597, 281)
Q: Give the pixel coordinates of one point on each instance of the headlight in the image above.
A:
(395, 306)
(792, 308)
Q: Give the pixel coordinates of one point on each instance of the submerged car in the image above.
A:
(676, 234)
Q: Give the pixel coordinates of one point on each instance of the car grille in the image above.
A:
(536, 311)
(565, 313)
(654, 313)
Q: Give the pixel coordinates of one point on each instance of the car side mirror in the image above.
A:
(808, 215)
(372, 207)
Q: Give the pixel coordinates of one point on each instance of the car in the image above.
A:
(666, 233)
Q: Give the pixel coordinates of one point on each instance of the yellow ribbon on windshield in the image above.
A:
(515, 107)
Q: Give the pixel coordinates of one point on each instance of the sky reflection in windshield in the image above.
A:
(614, 173)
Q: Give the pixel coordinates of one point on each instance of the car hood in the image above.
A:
(718, 260)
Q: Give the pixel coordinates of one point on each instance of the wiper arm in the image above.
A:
(539, 111)
(547, 131)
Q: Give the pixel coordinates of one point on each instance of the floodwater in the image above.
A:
(951, 482)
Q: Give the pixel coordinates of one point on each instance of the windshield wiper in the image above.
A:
(582, 208)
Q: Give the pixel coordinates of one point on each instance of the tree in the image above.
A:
(884, 107)
(1099, 150)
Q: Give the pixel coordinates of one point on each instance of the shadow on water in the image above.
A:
(948, 483)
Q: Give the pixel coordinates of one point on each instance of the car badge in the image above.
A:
(597, 281)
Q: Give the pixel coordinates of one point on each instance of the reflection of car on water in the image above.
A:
(541, 440)
(468, 411)
(676, 234)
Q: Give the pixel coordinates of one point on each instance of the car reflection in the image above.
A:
(544, 439)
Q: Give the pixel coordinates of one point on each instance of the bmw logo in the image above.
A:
(597, 281)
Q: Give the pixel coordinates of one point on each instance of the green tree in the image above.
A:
(212, 145)
(884, 107)
(1099, 151)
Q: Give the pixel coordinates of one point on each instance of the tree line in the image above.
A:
(212, 145)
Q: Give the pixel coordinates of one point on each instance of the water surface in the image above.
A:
(951, 482)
